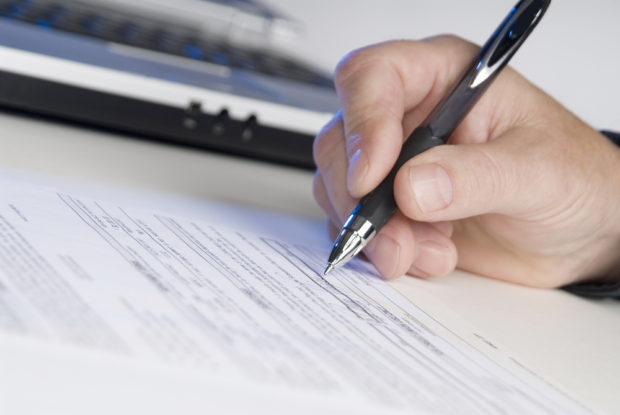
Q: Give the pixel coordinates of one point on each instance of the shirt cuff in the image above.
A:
(593, 289)
(613, 136)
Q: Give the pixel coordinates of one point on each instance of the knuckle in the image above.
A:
(447, 38)
(318, 189)
(360, 58)
(354, 64)
(325, 145)
(320, 194)
(348, 65)
(319, 151)
(323, 151)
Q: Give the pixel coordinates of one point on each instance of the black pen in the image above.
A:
(374, 209)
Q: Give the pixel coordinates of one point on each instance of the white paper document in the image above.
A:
(104, 278)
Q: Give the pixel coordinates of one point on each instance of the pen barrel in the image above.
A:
(379, 205)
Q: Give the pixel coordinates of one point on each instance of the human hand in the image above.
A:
(526, 192)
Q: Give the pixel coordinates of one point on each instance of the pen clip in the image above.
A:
(507, 39)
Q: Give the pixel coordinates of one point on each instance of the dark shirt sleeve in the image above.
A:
(594, 290)
(603, 289)
(614, 137)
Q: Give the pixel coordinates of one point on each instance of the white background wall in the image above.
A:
(574, 54)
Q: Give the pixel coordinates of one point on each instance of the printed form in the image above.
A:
(222, 303)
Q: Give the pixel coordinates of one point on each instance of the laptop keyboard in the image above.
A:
(149, 33)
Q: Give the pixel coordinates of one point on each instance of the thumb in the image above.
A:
(452, 182)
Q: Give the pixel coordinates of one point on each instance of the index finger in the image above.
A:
(378, 85)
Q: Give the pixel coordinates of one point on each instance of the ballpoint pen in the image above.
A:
(374, 209)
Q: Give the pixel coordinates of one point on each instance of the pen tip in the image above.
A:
(327, 269)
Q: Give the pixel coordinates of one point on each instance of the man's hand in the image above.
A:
(525, 192)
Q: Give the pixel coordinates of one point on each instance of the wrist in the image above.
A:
(611, 270)
(614, 271)
(605, 283)
(614, 137)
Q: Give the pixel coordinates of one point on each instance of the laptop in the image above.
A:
(207, 74)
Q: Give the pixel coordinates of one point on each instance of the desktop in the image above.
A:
(555, 337)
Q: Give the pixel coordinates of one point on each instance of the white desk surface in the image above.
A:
(571, 341)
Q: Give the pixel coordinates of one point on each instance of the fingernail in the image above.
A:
(431, 186)
(358, 166)
(385, 254)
